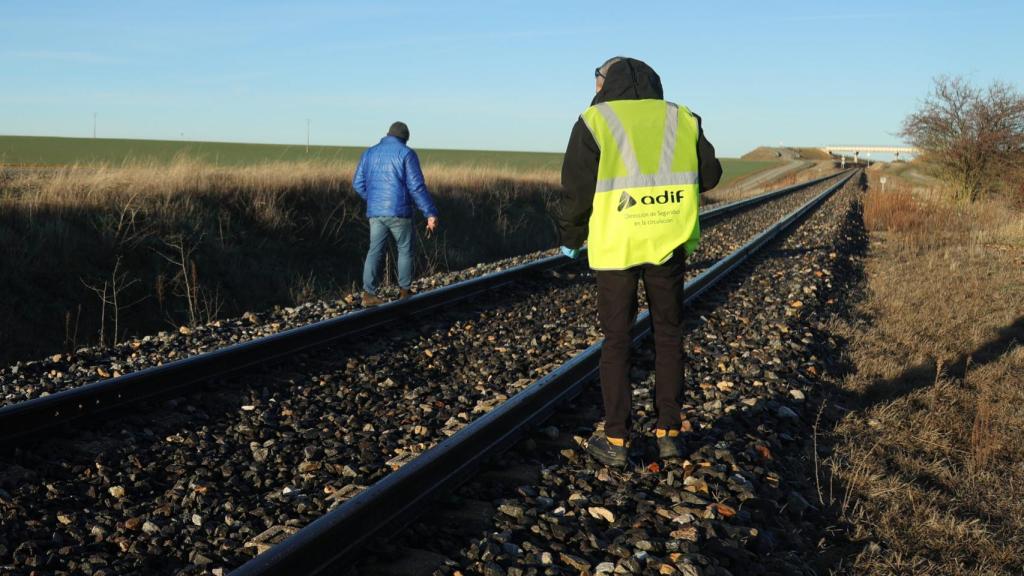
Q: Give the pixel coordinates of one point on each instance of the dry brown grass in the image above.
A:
(737, 192)
(933, 456)
(197, 241)
(100, 186)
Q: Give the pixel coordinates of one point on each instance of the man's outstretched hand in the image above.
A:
(431, 224)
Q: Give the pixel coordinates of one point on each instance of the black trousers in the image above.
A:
(616, 309)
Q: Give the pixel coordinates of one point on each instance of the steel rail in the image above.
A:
(753, 200)
(47, 412)
(330, 543)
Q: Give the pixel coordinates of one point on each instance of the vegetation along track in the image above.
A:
(183, 485)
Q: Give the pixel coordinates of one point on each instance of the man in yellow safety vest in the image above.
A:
(632, 173)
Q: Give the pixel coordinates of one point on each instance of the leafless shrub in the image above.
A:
(435, 251)
(112, 304)
(971, 136)
(202, 304)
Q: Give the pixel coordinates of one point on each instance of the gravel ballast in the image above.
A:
(747, 500)
(186, 485)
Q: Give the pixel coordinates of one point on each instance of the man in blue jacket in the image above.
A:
(390, 180)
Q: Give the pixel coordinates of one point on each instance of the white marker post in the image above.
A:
(882, 180)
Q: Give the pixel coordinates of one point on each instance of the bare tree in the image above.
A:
(974, 137)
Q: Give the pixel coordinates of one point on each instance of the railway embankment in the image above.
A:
(97, 254)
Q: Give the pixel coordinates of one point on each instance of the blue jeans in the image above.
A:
(380, 228)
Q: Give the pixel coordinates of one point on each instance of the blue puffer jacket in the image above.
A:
(390, 180)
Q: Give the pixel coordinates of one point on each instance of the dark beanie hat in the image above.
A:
(399, 130)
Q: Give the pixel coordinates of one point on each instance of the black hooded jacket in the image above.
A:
(627, 79)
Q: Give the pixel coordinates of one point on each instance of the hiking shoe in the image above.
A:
(371, 300)
(404, 293)
(671, 447)
(607, 453)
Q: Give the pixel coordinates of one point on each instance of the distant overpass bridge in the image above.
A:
(857, 150)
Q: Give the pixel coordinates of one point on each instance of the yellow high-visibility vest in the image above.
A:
(646, 200)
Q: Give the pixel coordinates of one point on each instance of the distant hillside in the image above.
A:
(49, 151)
(785, 153)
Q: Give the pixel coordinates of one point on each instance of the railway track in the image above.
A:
(84, 444)
(35, 415)
(749, 499)
(331, 544)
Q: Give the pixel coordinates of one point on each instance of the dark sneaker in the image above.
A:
(671, 448)
(371, 300)
(607, 453)
(404, 293)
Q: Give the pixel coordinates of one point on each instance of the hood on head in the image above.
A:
(630, 79)
(399, 130)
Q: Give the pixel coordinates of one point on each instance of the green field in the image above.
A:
(733, 168)
(40, 150)
(43, 150)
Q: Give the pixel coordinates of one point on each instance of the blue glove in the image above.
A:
(573, 253)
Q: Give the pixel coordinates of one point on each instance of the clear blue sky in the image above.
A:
(487, 75)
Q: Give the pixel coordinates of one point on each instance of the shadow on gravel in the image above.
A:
(224, 395)
(800, 517)
(818, 534)
(125, 445)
